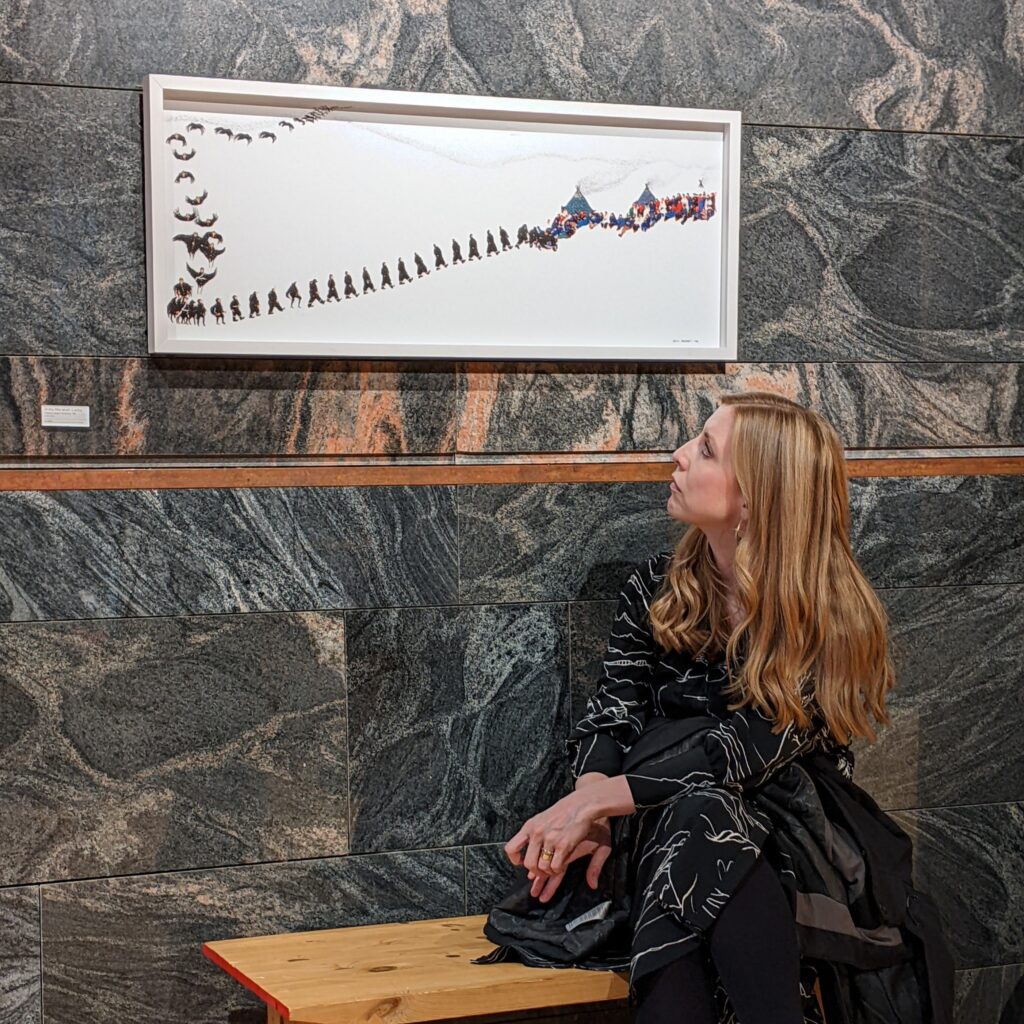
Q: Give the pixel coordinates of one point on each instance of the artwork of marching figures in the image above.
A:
(288, 220)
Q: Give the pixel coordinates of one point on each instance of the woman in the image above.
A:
(754, 644)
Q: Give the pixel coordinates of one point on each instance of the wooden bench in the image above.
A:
(398, 974)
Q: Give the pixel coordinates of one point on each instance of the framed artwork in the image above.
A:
(299, 220)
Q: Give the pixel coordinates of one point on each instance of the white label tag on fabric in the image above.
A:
(598, 913)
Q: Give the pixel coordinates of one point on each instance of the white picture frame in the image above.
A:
(323, 174)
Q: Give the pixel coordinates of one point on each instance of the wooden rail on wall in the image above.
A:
(318, 472)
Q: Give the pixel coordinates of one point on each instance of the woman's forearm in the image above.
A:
(606, 796)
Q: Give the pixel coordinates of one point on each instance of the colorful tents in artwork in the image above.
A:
(578, 203)
(647, 197)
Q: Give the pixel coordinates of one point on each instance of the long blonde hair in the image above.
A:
(814, 632)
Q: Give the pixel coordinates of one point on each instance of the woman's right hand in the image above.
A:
(597, 846)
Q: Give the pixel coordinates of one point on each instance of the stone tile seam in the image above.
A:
(55, 883)
(746, 124)
(525, 602)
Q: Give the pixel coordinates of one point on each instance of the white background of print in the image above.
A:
(338, 194)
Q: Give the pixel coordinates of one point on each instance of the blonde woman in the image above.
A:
(756, 643)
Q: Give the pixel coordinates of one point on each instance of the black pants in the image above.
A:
(754, 946)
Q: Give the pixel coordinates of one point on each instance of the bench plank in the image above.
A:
(399, 974)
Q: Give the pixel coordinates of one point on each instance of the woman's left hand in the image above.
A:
(562, 827)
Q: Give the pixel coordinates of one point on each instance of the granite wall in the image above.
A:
(240, 711)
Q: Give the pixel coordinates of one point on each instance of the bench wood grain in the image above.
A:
(399, 974)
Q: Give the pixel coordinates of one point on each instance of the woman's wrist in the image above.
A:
(589, 778)
(607, 797)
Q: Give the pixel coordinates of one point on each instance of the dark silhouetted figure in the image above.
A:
(421, 267)
(522, 237)
(254, 305)
(505, 243)
(456, 253)
(332, 289)
(438, 258)
(385, 277)
(367, 282)
(350, 288)
(473, 248)
(236, 309)
(314, 294)
(182, 289)
(492, 249)
(200, 312)
(217, 309)
(272, 302)
(403, 274)
(293, 294)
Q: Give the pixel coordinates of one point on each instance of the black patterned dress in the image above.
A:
(696, 832)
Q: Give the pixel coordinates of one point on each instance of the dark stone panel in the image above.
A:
(400, 45)
(656, 407)
(489, 876)
(920, 66)
(938, 530)
(905, 531)
(156, 744)
(530, 542)
(20, 980)
(455, 722)
(84, 554)
(970, 861)
(61, 555)
(881, 246)
(182, 407)
(71, 218)
(990, 995)
(956, 708)
(121, 949)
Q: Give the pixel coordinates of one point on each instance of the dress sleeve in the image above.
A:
(616, 713)
(739, 752)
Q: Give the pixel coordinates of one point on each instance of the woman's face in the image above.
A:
(705, 492)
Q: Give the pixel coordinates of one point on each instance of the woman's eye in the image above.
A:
(707, 451)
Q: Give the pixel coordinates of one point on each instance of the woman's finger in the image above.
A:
(597, 862)
(512, 847)
(552, 885)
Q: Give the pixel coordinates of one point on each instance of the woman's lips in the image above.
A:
(672, 486)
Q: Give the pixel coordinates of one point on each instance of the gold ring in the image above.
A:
(546, 854)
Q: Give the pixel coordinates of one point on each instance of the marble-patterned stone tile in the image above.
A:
(78, 554)
(919, 66)
(880, 246)
(156, 744)
(957, 710)
(970, 861)
(657, 407)
(529, 542)
(990, 995)
(119, 949)
(162, 407)
(182, 407)
(938, 530)
(455, 720)
(290, 548)
(572, 542)
(71, 236)
(61, 556)
(489, 876)
(400, 44)
(20, 977)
